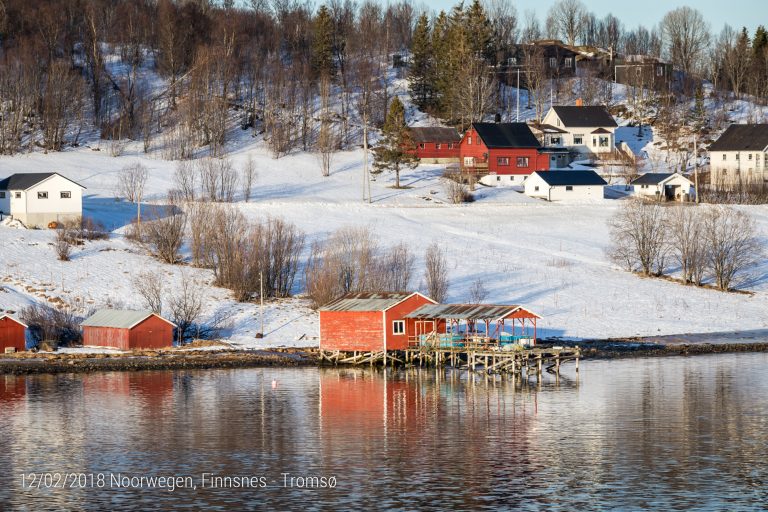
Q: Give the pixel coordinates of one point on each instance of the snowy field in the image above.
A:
(548, 257)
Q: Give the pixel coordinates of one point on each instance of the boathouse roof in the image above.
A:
(468, 311)
(119, 318)
(380, 301)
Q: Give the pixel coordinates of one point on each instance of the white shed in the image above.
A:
(663, 186)
(565, 185)
(37, 199)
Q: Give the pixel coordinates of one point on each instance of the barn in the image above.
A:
(436, 145)
(368, 322)
(12, 334)
(127, 330)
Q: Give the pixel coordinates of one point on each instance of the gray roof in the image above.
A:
(651, 178)
(559, 178)
(742, 137)
(466, 311)
(366, 301)
(434, 134)
(119, 318)
(24, 181)
(506, 135)
(584, 117)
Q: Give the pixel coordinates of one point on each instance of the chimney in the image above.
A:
(579, 102)
(497, 118)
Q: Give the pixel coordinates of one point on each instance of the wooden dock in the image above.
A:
(530, 361)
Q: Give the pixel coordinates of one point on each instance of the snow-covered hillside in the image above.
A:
(549, 257)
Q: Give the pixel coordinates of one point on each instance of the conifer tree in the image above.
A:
(420, 79)
(323, 62)
(395, 151)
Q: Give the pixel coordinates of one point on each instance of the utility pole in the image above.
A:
(365, 153)
(261, 298)
(517, 118)
(696, 168)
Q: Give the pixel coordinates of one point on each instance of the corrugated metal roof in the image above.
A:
(118, 318)
(464, 311)
(434, 134)
(366, 301)
(24, 181)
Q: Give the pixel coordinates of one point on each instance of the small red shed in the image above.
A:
(127, 330)
(503, 149)
(368, 322)
(436, 144)
(12, 334)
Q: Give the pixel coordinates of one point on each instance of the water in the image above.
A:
(664, 433)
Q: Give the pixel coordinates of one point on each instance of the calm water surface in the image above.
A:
(666, 434)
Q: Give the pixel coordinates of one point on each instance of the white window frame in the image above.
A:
(42, 195)
(523, 159)
(17, 195)
(398, 327)
(578, 139)
(65, 194)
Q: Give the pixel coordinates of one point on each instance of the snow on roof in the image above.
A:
(560, 178)
(9, 317)
(24, 181)
(366, 301)
(119, 318)
(742, 137)
(466, 311)
(584, 117)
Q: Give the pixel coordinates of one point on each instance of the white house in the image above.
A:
(37, 199)
(565, 185)
(663, 186)
(740, 155)
(586, 130)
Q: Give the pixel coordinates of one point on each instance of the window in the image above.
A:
(502, 160)
(469, 141)
(2, 195)
(17, 195)
(438, 146)
(398, 327)
(643, 186)
(750, 156)
(422, 145)
(604, 141)
(536, 188)
(725, 172)
(522, 161)
(569, 188)
(450, 145)
(568, 62)
(737, 156)
(555, 141)
(578, 138)
(498, 178)
(659, 71)
(42, 195)
(512, 61)
(552, 62)
(66, 195)
(725, 157)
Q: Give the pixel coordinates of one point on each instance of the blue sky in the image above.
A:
(737, 13)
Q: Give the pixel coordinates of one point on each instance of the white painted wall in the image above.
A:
(590, 143)
(535, 186)
(730, 167)
(686, 187)
(34, 210)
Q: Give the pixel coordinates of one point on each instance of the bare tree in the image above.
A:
(687, 242)
(396, 268)
(248, 178)
(638, 235)
(185, 307)
(131, 181)
(63, 243)
(149, 285)
(733, 245)
(455, 190)
(686, 37)
(566, 19)
(436, 273)
(163, 234)
(477, 90)
(477, 291)
(185, 180)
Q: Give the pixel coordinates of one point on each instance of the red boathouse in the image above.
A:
(436, 145)
(127, 330)
(368, 322)
(12, 334)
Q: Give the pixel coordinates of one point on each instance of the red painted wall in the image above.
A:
(151, 333)
(400, 341)
(536, 161)
(351, 330)
(11, 335)
(430, 150)
(106, 337)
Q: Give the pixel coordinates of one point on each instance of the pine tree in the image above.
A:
(323, 62)
(420, 74)
(698, 116)
(760, 41)
(478, 31)
(395, 151)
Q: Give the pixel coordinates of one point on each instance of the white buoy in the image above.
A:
(274, 384)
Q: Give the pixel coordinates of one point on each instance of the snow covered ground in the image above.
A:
(549, 257)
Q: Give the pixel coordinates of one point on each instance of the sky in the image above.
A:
(737, 13)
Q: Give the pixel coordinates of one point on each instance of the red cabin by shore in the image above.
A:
(368, 322)
(127, 330)
(502, 148)
(12, 334)
(436, 144)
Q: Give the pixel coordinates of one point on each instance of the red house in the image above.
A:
(505, 149)
(436, 145)
(127, 330)
(12, 334)
(368, 322)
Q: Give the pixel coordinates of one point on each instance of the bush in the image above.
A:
(50, 324)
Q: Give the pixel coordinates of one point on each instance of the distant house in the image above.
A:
(740, 155)
(643, 71)
(12, 334)
(38, 199)
(438, 145)
(555, 58)
(368, 322)
(589, 129)
(127, 330)
(565, 185)
(506, 152)
(663, 186)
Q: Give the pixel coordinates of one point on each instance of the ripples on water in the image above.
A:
(667, 434)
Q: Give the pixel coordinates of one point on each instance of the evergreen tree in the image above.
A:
(479, 32)
(760, 41)
(698, 116)
(323, 63)
(420, 74)
(395, 150)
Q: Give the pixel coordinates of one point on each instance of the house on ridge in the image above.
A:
(589, 130)
(740, 156)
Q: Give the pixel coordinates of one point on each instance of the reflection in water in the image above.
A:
(649, 433)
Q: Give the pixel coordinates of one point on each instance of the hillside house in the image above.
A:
(565, 185)
(663, 186)
(552, 56)
(127, 330)
(436, 145)
(39, 199)
(589, 130)
(368, 322)
(739, 156)
(643, 71)
(12, 334)
(506, 152)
